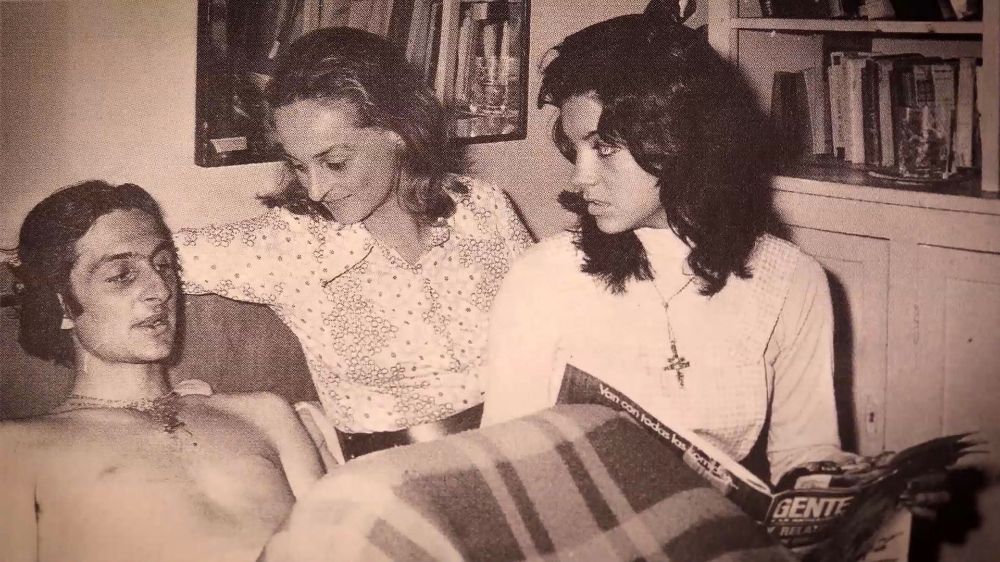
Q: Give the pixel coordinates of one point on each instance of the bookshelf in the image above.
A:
(914, 267)
(762, 46)
(473, 53)
(481, 67)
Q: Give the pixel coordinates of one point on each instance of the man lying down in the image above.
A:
(127, 469)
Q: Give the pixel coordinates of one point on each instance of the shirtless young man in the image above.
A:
(125, 470)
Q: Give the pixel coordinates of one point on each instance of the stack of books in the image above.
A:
(907, 116)
(919, 10)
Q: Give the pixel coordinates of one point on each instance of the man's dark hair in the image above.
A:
(47, 252)
(689, 119)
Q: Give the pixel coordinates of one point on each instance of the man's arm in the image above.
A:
(298, 455)
(18, 523)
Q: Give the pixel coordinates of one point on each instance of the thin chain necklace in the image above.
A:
(162, 410)
(675, 362)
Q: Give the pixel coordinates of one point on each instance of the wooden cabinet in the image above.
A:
(915, 274)
(858, 270)
(955, 344)
(916, 294)
(919, 291)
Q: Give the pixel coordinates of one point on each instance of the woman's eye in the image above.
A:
(121, 276)
(336, 165)
(296, 167)
(605, 150)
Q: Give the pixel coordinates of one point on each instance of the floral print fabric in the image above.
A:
(389, 344)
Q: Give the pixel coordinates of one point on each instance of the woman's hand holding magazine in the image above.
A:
(829, 509)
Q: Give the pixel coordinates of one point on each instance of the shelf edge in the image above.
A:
(862, 26)
(988, 204)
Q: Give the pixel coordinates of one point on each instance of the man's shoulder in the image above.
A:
(37, 433)
(253, 405)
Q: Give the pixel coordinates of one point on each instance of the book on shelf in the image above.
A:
(432, 42)
(795, 8)
(790, 115)
(870, 116)
(965, 110)
(465, 61)
(905, 115)
(334, 13)
(311, 15)
(854, 63)
(824, 510)
(877, 10)
(924, 10)
(359, 13)
(883, 102)
(967, 9)
(838, 110)
(913, 10)
(800, 113)
(819, 110)
(417, 48)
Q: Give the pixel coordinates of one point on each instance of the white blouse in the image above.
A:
(745, 364)
(389, 344)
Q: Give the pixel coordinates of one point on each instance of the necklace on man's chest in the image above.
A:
(676, 362)
(163, 410)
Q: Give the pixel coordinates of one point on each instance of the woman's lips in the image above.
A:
(596, 207)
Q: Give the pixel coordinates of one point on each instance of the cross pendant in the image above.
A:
(677, 363)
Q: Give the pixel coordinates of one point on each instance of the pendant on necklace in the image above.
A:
(677, 363)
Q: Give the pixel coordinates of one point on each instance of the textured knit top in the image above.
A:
(760, 347)
(389, 344)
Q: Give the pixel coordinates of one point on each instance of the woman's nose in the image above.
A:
(317, 184)
(583, 176)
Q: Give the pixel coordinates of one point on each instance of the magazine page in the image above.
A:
(853, 505)
(729, 477)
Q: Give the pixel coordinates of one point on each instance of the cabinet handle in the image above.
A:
(871, 416)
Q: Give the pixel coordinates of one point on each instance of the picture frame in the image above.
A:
(473, 54)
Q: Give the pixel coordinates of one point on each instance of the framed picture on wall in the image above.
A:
(473, 53)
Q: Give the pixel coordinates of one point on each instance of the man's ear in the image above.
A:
(67, 320)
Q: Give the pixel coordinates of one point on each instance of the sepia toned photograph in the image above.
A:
(499, 280)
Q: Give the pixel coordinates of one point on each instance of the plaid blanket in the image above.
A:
(570, 483)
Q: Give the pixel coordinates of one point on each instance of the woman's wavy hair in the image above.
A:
(47, 252)
(689, 119)
(341, 64)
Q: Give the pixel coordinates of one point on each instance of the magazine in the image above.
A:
(840, 506)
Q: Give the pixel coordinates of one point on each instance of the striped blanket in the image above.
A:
(570, 483)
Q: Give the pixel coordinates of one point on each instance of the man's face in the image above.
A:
(125, 280)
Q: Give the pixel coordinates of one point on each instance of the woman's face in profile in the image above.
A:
(350, 170)
(620, 195)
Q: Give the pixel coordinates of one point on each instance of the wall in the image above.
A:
(105, 89)
(532, 170)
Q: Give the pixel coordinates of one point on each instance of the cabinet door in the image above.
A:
(858, 270)
(955, 383)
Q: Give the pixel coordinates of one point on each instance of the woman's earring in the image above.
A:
(67, 323)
